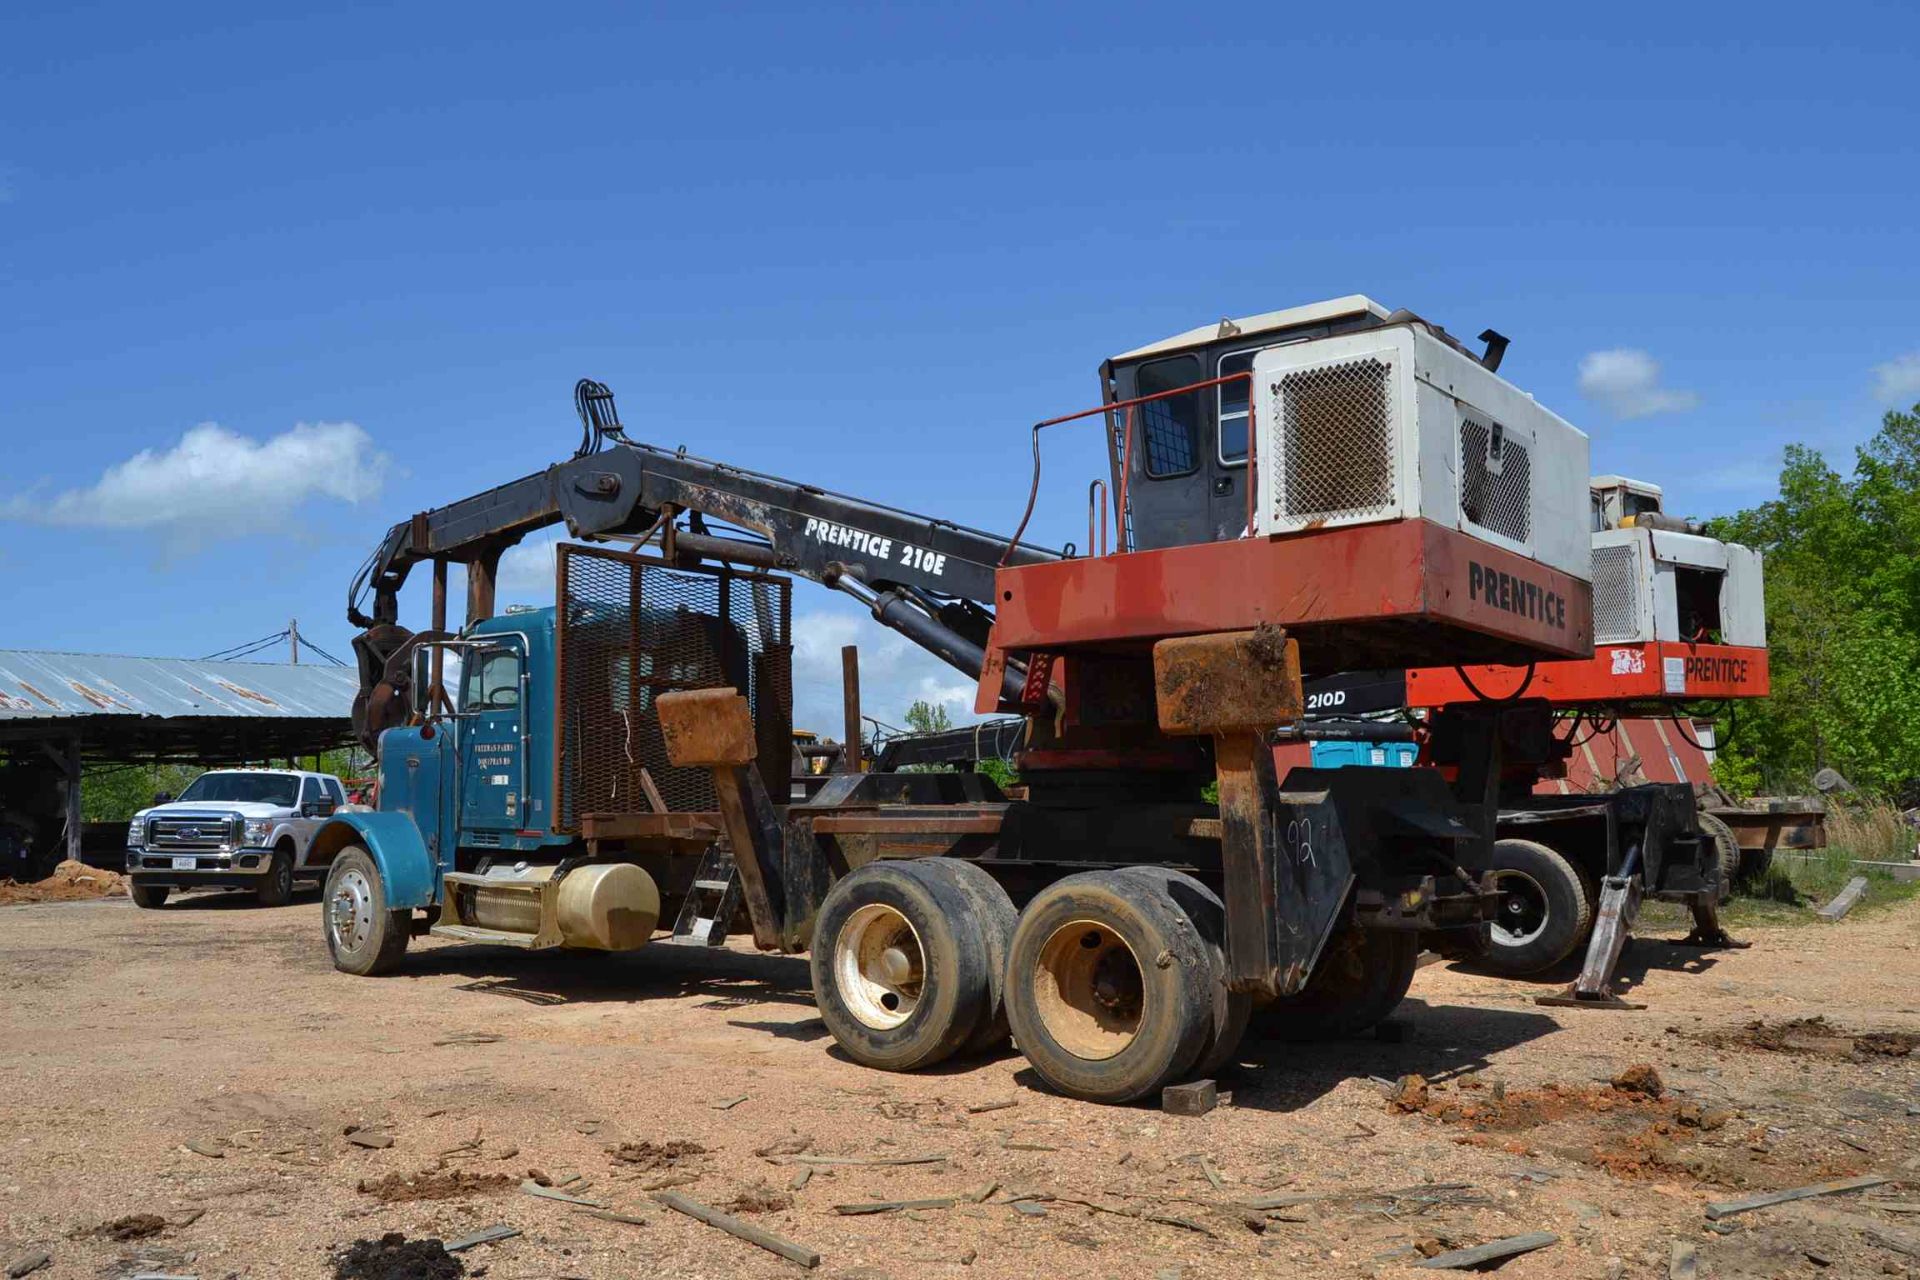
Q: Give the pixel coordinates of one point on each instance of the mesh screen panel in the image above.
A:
(631, 629)
(1337, 442)
(1497, 500)
(1616, 595)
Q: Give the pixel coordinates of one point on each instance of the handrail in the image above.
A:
(1033, 490)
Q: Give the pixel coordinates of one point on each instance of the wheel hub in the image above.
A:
(879, 966)
(1089, 990)
(350, 911)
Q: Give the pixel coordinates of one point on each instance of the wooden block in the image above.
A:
(1727, 1208)
(1480, 1255)
(1193, 1099)
(1845, 900)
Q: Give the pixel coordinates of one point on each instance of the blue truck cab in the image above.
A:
(479, 779)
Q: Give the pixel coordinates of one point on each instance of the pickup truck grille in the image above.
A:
(210, 832)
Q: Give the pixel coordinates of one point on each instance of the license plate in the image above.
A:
(185, 864)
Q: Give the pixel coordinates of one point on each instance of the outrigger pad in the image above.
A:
(1227, 682)
(706, 727)
(1572, 999)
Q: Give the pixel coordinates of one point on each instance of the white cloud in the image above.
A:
(1627, 383)
(1898, 380)
(218, 483)
(894, 674)
(526, 572)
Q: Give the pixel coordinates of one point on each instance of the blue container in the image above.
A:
(1337, 755)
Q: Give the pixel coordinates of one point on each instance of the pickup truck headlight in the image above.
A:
(137, 834)
(256, 831)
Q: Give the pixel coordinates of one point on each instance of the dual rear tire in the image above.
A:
(1112, 982)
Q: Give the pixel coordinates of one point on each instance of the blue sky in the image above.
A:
(865, 246)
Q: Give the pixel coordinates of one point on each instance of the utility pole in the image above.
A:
(293, 638)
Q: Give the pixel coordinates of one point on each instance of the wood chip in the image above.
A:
(1031, 1208)
(28, 1263)
(1727, 1208)
(741, 1230)
(1175, 1220)
(608, 1215)
(1894, 1240)
(1493, 1251)
(801, 1177)
(728, 1104)
(1683, 1261)
(1026, 1146)
(533, 1188)
(471, 1037)
(892, 1206)
(981, 1107)
(378, 1140)
(211, 1150)
(486, 1235)
(935, 1157)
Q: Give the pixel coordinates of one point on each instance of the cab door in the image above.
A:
(493, 771)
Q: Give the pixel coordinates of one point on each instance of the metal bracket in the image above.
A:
(1593, 989)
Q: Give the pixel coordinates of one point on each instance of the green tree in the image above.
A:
(928, 717)
(1843, 619)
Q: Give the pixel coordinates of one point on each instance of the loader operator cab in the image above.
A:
(1186, 477)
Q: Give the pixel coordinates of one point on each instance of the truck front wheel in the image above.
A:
(150, 897)
(1546, 909)
(364, 936)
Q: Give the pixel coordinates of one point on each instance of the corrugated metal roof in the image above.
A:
(54, 685)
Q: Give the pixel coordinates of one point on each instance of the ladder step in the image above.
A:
(713, 886)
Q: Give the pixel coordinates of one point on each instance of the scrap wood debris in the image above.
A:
(648, 1156)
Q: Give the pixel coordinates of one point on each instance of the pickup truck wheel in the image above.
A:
(150, 897)
(1363, 975)
(900, 965)
(276, 886)
(1109, 987)
(1546, 909)
(364, 937)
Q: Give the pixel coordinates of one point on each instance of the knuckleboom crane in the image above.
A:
(1311, 490)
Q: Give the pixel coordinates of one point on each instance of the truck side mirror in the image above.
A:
(323, 807)
(163, 797)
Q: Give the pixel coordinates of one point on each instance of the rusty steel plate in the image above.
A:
(706, 727)
(1235, 680)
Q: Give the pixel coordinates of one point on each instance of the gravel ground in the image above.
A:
(181, 1092)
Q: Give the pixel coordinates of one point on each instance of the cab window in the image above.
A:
(1169, 428)
(1233, 401)
(491, 681)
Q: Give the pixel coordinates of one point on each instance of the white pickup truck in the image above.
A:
(232, 828)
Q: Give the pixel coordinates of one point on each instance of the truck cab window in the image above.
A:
(1169, 428)
(492, 681)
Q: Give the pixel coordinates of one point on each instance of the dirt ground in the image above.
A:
(195, 1092)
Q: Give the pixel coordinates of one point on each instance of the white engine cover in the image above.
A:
(1637, 583)
(1393, 423)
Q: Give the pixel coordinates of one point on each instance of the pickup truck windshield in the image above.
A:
(257, 788)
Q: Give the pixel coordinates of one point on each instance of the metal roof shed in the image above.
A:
(63, 708)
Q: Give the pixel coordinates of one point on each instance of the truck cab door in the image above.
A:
(493, 771)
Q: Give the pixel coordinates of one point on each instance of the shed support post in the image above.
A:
(71, 764)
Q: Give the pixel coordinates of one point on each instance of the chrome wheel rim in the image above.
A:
(1089, 990)
(1522, 915)
(350, 910)
(879, 967)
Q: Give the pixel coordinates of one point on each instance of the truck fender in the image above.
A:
(393, 842)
